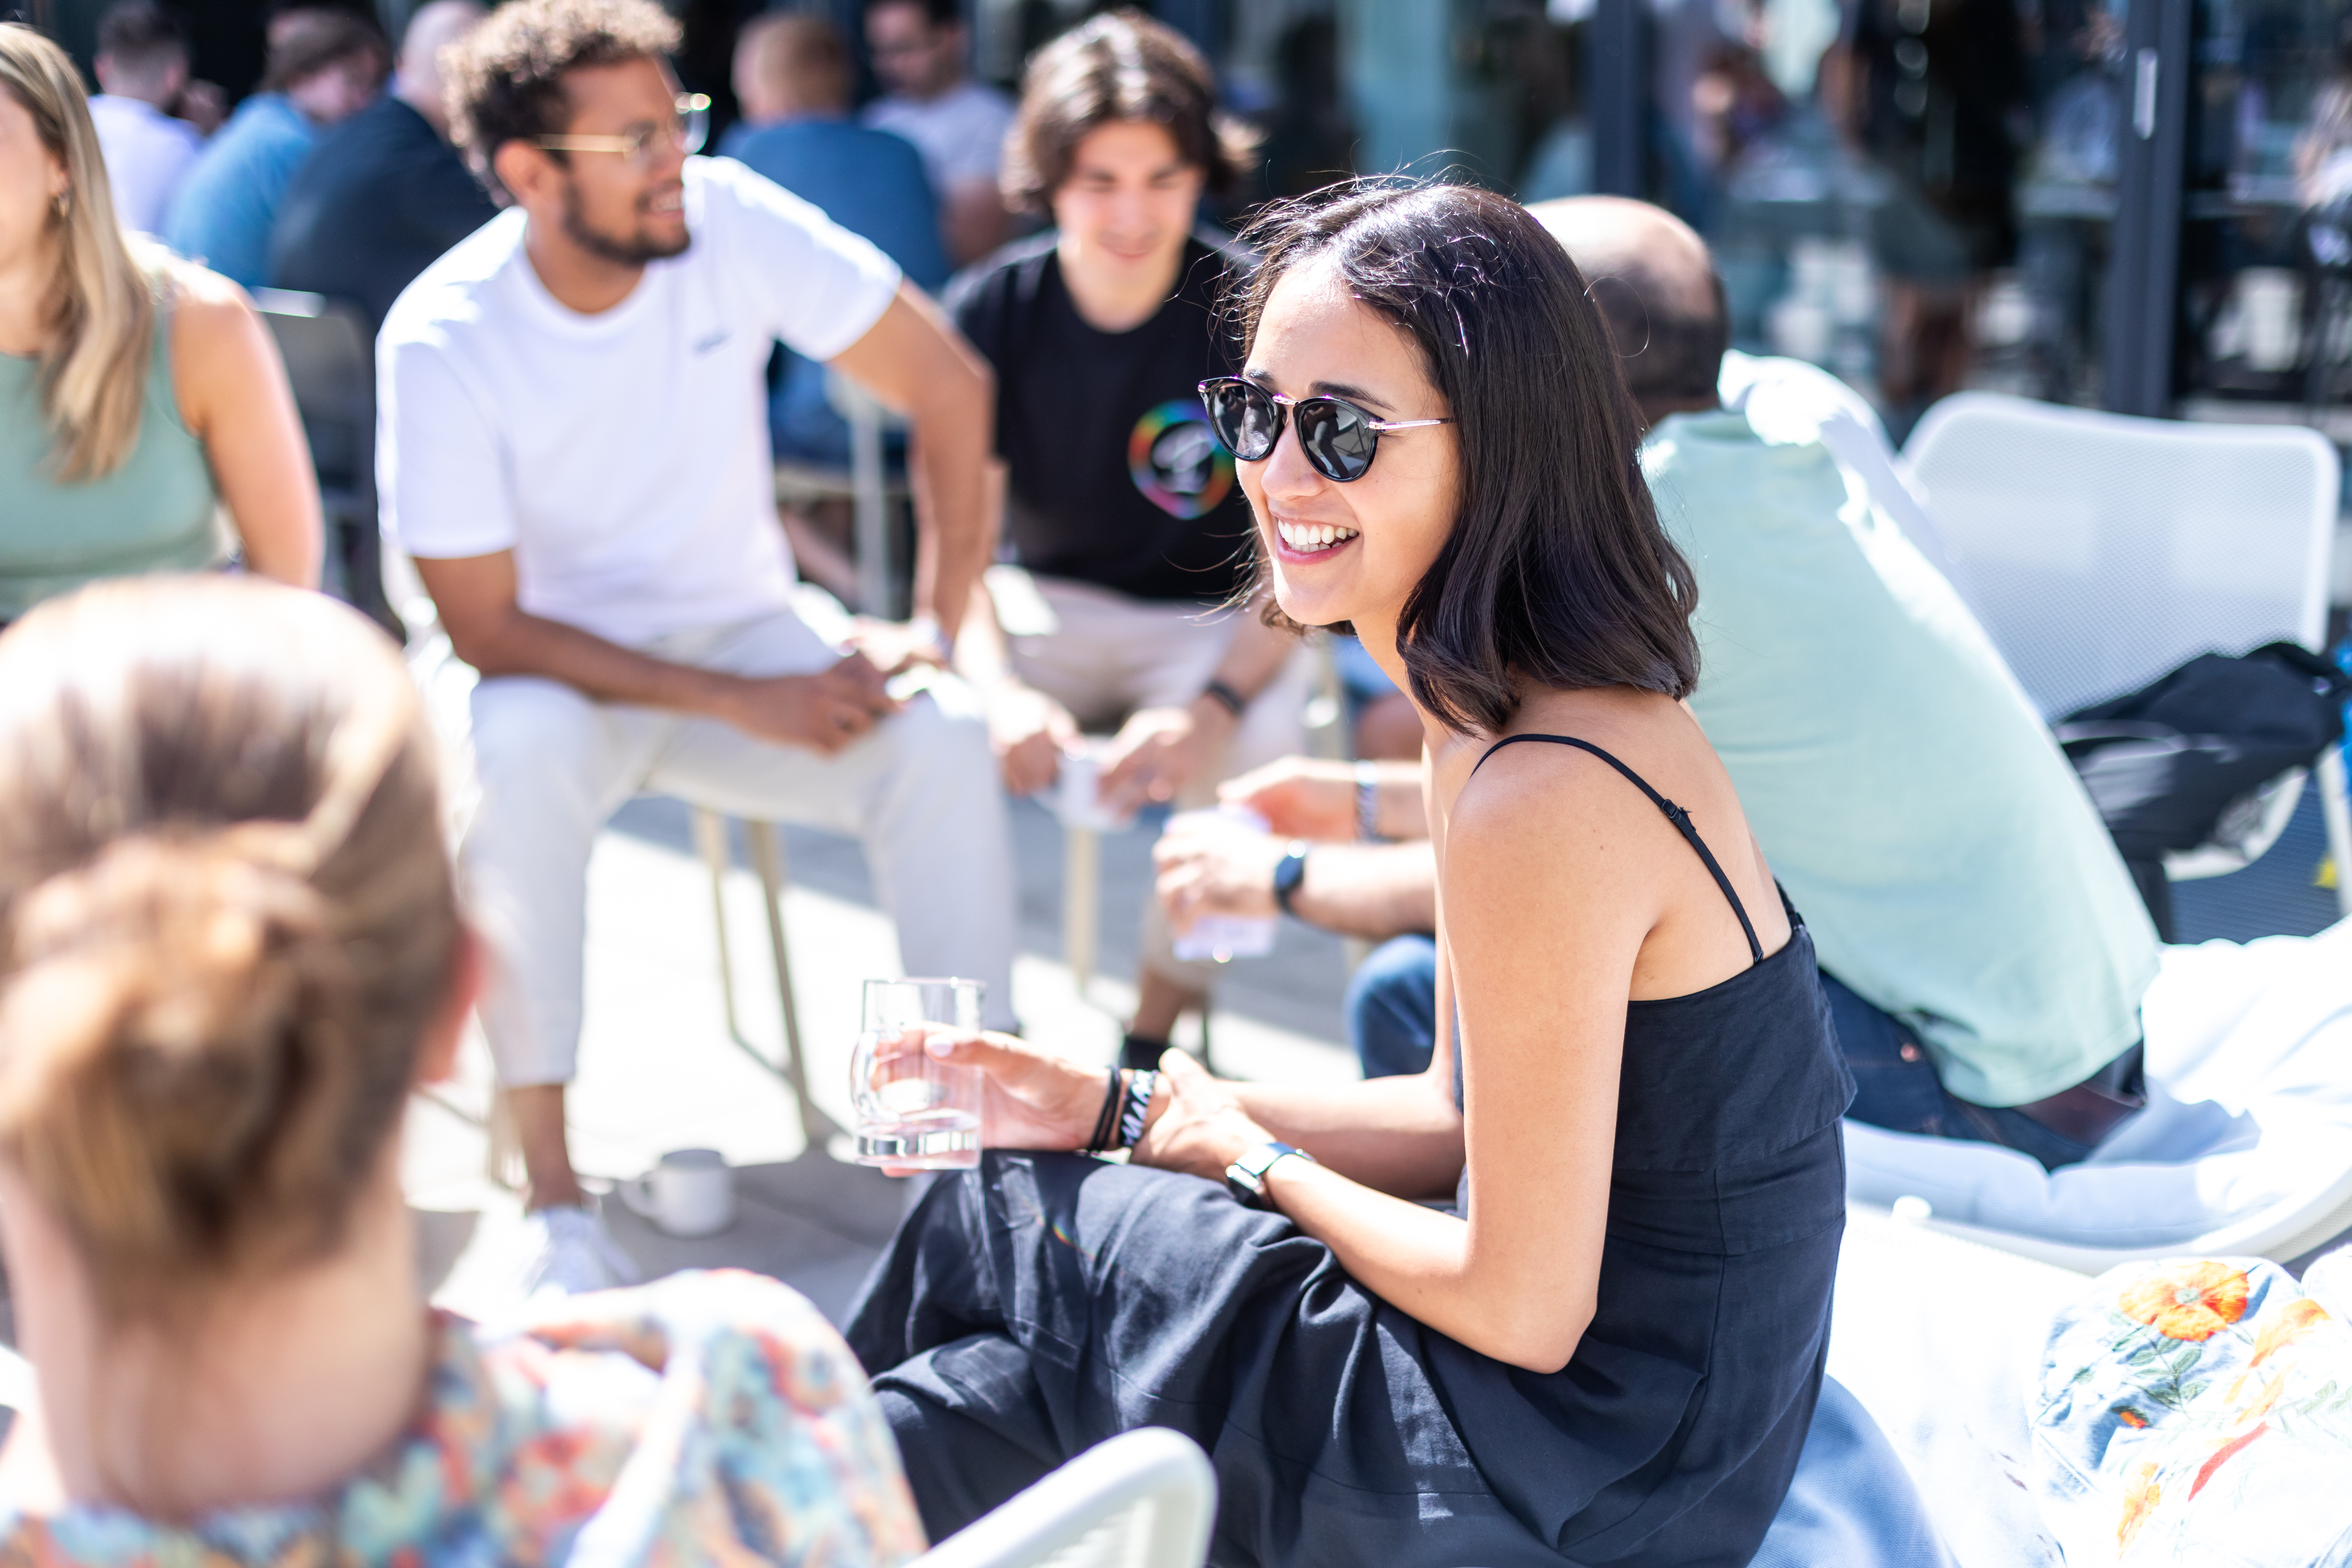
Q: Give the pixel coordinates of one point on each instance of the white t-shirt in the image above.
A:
(146, 151)
(622, 456)
(959, 133)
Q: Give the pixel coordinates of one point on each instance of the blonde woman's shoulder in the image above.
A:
(196, 295)
(221, 352)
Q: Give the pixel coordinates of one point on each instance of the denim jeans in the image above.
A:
(1896, 1087)
(1392, 1007)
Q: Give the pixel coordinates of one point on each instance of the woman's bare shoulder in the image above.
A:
(206, 306)
(222, 356)
(1543, 766)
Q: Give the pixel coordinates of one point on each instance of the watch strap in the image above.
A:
(1246, 1178)
(1224, 695)
(1288, 872)
(1367, 802)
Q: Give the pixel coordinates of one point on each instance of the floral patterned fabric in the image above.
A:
(706, 1419)
(2198, 1412)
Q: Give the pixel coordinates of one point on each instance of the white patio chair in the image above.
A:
(2101, 551)
(1144, 1499)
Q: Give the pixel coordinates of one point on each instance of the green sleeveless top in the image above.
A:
(157, 513)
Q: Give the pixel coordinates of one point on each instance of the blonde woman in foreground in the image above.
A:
(231, 949)
(138, 392)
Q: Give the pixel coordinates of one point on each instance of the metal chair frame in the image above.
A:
(766, 849)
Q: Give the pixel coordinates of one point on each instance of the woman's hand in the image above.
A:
(1202, 1128)
(1032, 1099)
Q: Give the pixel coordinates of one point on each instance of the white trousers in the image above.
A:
(1103, 654)
(920, 791)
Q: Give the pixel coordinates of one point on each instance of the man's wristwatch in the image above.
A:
(1288, 872)
(1246, 1178)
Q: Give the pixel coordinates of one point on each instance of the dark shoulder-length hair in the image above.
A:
(1557, 572)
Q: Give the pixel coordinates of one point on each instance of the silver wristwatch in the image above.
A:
(1246, 1178)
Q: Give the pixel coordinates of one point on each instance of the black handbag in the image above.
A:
(2165, 764)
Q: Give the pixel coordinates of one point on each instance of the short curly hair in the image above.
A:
(506, 76)
(1119, 65)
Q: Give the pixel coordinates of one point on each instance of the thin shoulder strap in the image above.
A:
(1675, 814)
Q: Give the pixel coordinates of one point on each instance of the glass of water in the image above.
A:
(914, 1111)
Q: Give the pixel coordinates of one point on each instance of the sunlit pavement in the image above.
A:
(658, 1070)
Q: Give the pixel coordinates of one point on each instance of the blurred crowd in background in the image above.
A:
(1918, 195)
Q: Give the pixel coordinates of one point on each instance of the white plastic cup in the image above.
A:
(1077, 793)
(1220, 939)
(689, 1193)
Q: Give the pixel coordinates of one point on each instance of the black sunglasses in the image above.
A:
(1338, 437)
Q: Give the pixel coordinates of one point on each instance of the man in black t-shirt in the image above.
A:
(1127, 535)
(1113, 476)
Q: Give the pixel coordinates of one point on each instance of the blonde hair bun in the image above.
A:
(227, 917)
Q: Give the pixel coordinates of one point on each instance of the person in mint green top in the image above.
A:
(1986, 948)
(145, 424)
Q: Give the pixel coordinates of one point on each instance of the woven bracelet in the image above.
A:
(1141, 1086)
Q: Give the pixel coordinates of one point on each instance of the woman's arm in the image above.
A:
(233, 399)
(1541, 924)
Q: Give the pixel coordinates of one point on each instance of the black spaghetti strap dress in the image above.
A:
(1043, 1302)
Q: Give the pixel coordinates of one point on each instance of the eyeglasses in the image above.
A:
(1338, 437)
(639, 144)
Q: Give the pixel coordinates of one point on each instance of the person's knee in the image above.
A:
(938, 731)
(1391, 1008)
(525, 725)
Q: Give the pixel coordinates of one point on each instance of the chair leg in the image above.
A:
(1081, 899)
(767, 860)
(710, 837)
(2338, 813)
(1327, 710)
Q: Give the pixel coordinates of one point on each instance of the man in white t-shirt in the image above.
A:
(956, 123)
(572, 446)
(143, 69)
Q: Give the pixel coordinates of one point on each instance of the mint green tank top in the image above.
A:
(155, 513)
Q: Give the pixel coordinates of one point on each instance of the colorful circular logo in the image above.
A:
(1176, 461)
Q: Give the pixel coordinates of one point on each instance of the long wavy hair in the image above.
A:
(102, 308)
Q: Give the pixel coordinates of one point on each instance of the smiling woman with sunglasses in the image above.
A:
(1608, 1348)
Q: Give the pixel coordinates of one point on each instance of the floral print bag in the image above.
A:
(2198, 1412)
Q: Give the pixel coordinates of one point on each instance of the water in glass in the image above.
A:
(915, 1111)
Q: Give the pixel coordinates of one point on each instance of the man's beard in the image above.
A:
(634, 251)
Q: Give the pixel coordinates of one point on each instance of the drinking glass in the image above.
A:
(915, 1111)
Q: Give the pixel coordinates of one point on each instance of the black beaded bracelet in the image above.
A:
(1106, 1120)
(1226, 698)
(1142, 1087)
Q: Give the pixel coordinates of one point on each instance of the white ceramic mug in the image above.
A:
(689, 1191)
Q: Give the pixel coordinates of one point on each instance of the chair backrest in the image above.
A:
(1144, 1499)
(330, 356)
(2101, 551)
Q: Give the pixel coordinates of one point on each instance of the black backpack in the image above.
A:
(2165, 764)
